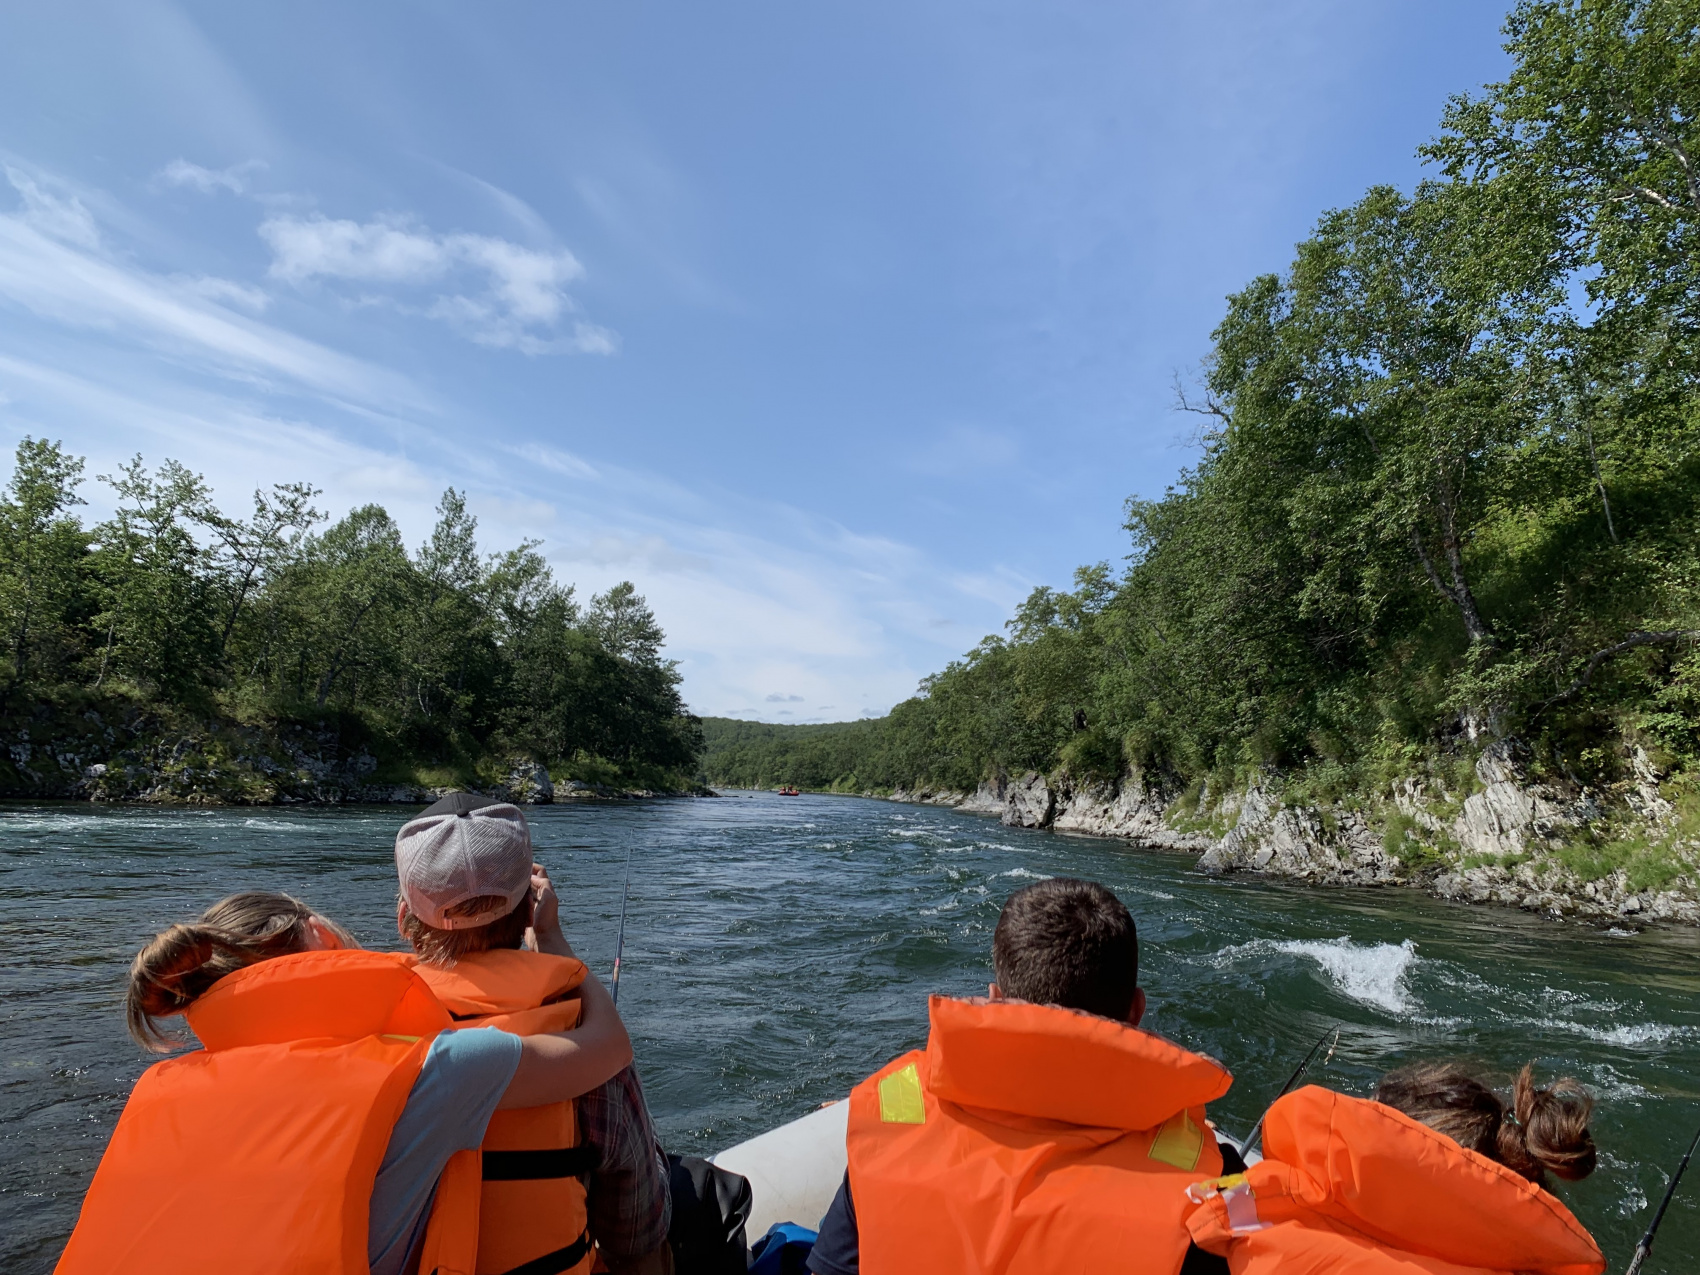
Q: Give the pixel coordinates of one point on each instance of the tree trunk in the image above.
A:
(1458, 592)
(1600, 482)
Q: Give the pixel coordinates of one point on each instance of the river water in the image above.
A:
(779, 949)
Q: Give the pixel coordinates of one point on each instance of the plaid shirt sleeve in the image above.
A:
(630, 1204)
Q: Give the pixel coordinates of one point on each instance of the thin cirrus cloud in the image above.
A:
(518, 298)
(55, 264)
(61, 216)
(180, 172)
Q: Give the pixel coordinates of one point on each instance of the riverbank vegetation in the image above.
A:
(1447, 493)
(278, 634)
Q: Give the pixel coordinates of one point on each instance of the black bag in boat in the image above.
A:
(710, 1207)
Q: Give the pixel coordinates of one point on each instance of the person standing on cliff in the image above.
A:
(1040, 1130)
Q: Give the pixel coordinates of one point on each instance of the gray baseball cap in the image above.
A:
(463, 848)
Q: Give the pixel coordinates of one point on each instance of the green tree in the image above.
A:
(157, 621)
(252, 552)
(449, 647)
(621, 620)
(43, 549)
(347, 596)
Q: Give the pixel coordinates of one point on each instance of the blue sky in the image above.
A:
(835, 327)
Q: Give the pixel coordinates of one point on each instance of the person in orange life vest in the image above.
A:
(310, 1130)
(484, 921)
(1433, 1176)
(1040, 1130)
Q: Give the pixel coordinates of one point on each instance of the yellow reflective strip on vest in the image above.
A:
(900, 1097)
(394, 1036)
(1178, 1142)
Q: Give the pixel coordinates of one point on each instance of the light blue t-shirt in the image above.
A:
(463, 1078)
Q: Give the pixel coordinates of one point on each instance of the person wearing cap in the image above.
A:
(483, 918)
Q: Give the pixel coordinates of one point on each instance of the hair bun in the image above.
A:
(1552, 1124)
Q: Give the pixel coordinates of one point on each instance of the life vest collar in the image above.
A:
(1402, 1183)
(340, 994)
(502, 981)
(1062, 1064)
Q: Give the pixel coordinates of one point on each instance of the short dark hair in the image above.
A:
(1068, 942)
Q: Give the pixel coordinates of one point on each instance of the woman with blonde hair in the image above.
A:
(310, 1130)
(1434, 1175)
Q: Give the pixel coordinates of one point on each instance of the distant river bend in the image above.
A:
(779, 949)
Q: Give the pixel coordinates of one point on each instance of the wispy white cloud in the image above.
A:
(554, 460)
(226, 290)
(646, 553)
(53, 264)
(522, 299)
(180, 172)
(510, 205)
(58, 216)
(111, 409)
(307, 248)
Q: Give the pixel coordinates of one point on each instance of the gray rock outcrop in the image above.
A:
(1504, 842)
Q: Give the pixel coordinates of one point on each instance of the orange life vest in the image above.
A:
(258, 1152)
(532, 1208)
(1352, 1187)
(1028, 1138)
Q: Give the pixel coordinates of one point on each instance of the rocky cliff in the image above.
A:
(1563, 850)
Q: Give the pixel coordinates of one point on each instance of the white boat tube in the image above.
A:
(794, 1170)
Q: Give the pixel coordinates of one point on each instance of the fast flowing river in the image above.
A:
(779, 949)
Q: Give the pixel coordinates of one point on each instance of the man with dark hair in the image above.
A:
(1070, 943)
(483, 918)
(1040, 1130)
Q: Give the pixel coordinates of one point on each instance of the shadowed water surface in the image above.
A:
(779, 949)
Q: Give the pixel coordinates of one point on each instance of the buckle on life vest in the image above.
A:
(1237, 1198)
(900, 1097)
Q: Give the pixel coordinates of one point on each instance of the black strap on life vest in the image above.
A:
(562, 1259)
(556, 1162)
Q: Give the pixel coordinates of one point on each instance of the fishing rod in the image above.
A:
(620, 946)
(1298, 1072)
(1646, 1245)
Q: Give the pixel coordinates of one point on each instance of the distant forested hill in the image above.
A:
(243, 654)
(757, 755)
(1449, 488)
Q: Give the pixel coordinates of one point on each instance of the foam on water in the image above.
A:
(1372, 973)
(1610, 1085)
(1369, 973)
(1629, 1034)
(1028, 873)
